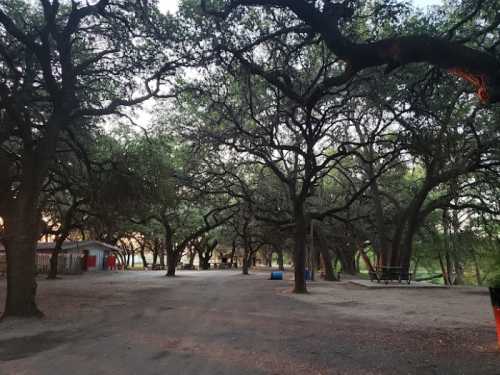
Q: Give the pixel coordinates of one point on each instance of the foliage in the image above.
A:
(494, 280)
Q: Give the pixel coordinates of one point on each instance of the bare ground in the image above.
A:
(220, 322)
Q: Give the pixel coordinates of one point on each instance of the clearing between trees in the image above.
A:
(222, 322)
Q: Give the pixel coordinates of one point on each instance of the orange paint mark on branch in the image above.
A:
(477, 80)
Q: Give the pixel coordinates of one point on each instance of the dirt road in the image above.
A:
(220, 322)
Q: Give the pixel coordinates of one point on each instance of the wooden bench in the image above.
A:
(387, 274)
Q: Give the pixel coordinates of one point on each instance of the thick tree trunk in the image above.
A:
(54, 259)
(247, 258)
(444, 271)
(407, 248)
(143, 257)
(192, 255)
(22, 221)
(411, 229)
(155, 258)
(167, 247)
(204, 262)
(270, 260)
(396, 242)
(410, 222)
(327, 261)
(347, 259)
(326, 257)
(233, 252)
(53, 264)
(205, 252)
(171, 261)
(20, 235)
(247, 261)
(300, 249)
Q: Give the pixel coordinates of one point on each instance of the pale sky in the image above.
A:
(171, 5)
(168, 5)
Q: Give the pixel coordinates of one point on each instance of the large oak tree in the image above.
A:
(62, 63)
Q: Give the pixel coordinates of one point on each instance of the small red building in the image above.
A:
(75, 256)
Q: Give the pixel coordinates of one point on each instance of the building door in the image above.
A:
(91, 261)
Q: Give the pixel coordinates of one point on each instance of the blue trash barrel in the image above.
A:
(276, 275)
(307, 275)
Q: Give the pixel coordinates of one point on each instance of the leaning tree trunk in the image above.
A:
(444, 271)
(20, 236)
(299, 255)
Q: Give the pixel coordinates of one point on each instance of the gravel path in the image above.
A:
(220, 322)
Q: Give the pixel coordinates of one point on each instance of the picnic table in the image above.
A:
(390, 273)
